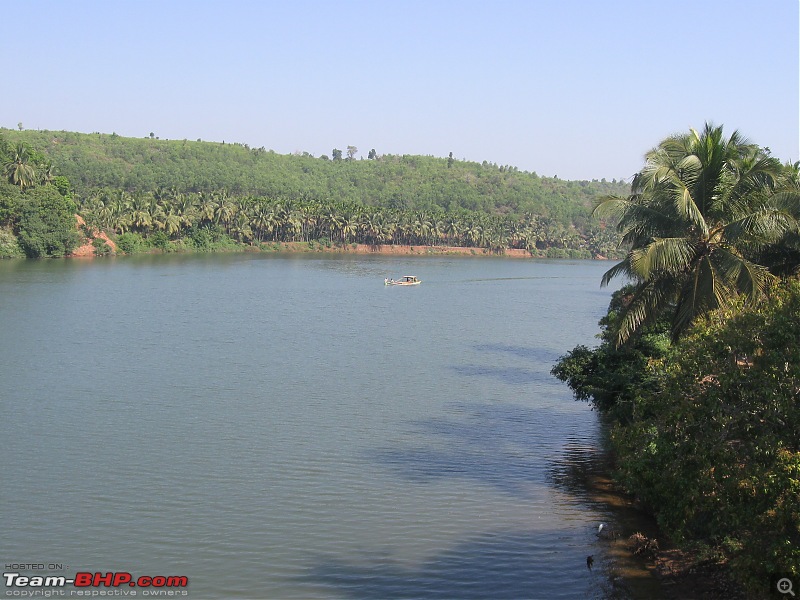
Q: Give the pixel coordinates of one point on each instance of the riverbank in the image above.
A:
(645, 563)
(88, 249)
(393, 249)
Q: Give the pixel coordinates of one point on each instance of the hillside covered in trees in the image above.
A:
(94, 161)
(178, 194)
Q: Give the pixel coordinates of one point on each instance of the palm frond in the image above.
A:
(788, 202)
(762, 226)
(622, 268)
(741, 276)
(648, 303)
(670, 255)
(611, 207)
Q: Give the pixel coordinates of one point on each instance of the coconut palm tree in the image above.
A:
(171, 221)
(696, 211)
(224, 211)
(17, 170)
(138, 213)
(47, 173)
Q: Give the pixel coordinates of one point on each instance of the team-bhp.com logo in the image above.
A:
(83, 579)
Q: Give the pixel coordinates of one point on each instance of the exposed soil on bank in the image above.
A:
(86, 250)
(392, 249)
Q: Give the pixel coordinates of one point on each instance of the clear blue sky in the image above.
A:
(575, 88)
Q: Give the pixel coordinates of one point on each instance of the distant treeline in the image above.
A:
(174, 194)
(94, 161)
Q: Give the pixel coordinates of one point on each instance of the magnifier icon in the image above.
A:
(785, 586)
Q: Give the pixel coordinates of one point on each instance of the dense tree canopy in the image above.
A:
(96, 161)
(699, 216)
(166, 191)
(698, 370)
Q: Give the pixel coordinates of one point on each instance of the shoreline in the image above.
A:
(86, 250)
(653, 566)
(394, 249)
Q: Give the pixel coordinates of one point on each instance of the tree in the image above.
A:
(336, 154)
(47, 223)
(696, 211)
(351, 152)
(17, 169)
(372, 154)
(718, 453)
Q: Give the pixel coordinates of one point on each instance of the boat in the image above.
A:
(406, 280)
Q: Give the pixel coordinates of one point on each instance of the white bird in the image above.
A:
(605, 532)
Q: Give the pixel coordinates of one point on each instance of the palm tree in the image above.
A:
(47, 173)
(224, 211)
(17, 170)
(696, 211)
(206, 209)
(171, 221)
(263, 220)
(138, 213)
(452, 229)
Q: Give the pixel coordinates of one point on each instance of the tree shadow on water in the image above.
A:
(534, 368)
(503, 446)
(506, 374)
(516, 565)
(538, 355)
(517, 451)
(585, 471)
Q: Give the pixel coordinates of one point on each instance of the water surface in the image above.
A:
(289, 427)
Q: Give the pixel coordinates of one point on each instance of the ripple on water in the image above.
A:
(289, 428)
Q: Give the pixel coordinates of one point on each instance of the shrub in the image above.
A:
(130, 243)
(9, 245)
(46, 225)
(101, 248)
(159, 240)
(718, 456)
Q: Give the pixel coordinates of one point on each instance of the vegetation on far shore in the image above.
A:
(698, 369)
(202, 196)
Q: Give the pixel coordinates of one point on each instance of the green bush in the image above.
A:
(9, 245)
(557, 253)
(101, 248)
(613, 378)
(159, 240)
(130, 243)
(46, 225)
(718, 456)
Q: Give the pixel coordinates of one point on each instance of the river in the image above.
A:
(286, 426)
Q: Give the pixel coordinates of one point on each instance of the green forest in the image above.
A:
(173, 195)
(698, 369)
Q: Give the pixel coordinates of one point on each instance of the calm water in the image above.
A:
(289, 427)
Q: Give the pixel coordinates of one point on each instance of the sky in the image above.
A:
(579, 89)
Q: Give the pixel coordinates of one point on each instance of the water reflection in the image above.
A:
(513, 565)
(502, 446)
(583, 471)
(495, 445)
(534, 354)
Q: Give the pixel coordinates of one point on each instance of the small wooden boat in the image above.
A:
(406, 280)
